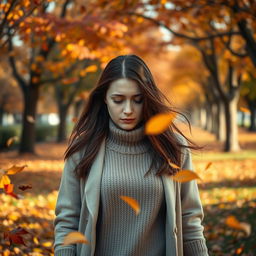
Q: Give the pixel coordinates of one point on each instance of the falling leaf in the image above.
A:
(173, 165)
(4, 179)
(30, 119)
(24, 187)
(15, 235)
(159, 123)
(185, 175)
(11, 140)
(74, 119)
(132, 202)
(74, 238)
(245, 110)
(208, 166)
(70, 80)
(8, 188)
(239, 250)
(15, 169)
(232, 222)
(83, 95)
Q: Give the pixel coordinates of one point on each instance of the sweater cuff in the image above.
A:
(65, 252)
(195, 248)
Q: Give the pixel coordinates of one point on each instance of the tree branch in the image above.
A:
(16, 74)
(159, 23)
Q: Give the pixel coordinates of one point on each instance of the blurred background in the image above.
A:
(202, 54)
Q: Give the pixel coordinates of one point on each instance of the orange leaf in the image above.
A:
(9, 190)
(74, 238)
(74, 119)
(159, 123)
(173, 165)
(245, 110)
(15, 169)
(185, 175)
(132, 202)
(232, 222)
(11, 140)
(208, 166)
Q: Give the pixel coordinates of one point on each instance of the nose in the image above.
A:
(128, 108)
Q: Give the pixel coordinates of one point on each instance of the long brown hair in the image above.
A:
(92, 126)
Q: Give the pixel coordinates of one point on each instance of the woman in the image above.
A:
(109, 155)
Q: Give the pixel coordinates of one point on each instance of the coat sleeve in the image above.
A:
(194, 243)
(67, 209)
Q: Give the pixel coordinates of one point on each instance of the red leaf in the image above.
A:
(9, 190)
(15, 235)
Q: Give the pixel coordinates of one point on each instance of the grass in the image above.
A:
(220, 156)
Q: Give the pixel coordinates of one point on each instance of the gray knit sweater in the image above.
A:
(120, 232)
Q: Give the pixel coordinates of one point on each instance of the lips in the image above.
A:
(127, 121)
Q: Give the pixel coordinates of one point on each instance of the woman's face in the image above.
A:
(124, 101)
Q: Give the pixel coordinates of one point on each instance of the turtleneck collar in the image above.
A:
(127, 142)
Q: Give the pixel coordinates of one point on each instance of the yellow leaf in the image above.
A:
(208, 166)
(70, 47)
(35, 240)
(15, 169)
(232, 222)
(185, 175)
(173, 165)
(38, 250)
(11, 140)
(13, 216)
(30, 119)
(91, 68)
(4, 180)
(245, 110)
(159, 123)
(132, 202)
(74, 238)
(47, 244)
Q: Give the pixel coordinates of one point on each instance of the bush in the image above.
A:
(43, 133)
(46, 132)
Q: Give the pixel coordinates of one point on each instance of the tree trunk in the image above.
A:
(28, 134)
(231, 143)
(1, 115)
(220, 122)
(62, 128)
(214, 117)
(208, 123)
(252, 107)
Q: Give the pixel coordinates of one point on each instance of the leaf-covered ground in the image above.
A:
(228, 188)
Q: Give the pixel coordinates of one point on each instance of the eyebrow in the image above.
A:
(117, 94)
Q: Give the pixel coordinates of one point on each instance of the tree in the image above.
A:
(78, 32)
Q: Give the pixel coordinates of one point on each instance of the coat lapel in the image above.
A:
(170, 227)
(92, 197)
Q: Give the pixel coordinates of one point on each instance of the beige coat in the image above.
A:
(78, 206)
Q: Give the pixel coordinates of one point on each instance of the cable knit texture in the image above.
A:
(119, 230)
